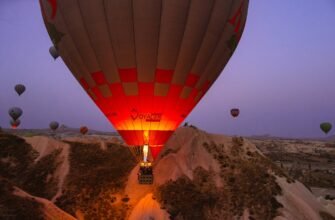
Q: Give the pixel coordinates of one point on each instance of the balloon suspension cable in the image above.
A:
(145, 153)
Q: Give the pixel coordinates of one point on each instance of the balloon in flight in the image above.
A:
(145, 64)
(19, 88)
(54, 125)
(53, 52)
(326, 127)
(15, 112)
(83, 130)
(234, 112)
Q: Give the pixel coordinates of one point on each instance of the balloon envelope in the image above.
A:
(15, 112)
(326, 127)
(19, 88)
(54, 125)
(83, 129)
(146, 64)
(234, 112)
(53, 52)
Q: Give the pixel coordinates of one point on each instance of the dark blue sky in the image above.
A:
(282, 76)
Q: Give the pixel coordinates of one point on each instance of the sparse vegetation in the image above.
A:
(189, 199)
(248, 183)
(125, 199)
(167, 152)
(16, 156)
(96, 176)
(95, 184)
(17, 159)
(39, 180)
(238, 141)
(15, 207)
(309, 162)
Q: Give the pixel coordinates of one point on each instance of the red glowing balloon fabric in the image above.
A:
(145, 64)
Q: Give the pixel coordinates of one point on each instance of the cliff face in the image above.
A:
(197, 176)
(85, 179)
(206, 176)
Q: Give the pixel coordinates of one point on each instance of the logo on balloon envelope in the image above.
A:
(149, 117)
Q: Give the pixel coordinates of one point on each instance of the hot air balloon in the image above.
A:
(19, 88)
(234, 112)
(83, 130)
(54, 125)
(146, 64)
(326, 127)
(15, 113)
(15, 123)
(53, 52)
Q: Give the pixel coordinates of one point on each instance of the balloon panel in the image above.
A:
(146, 64)
(15, 112)
(19, 88)
(83, 130)
(54, 125)
(235, 112)
(326, 127)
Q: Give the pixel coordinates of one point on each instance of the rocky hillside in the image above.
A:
(197, 176)
(206, 176)
(309, 161)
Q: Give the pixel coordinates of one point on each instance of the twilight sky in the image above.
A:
(282, 75)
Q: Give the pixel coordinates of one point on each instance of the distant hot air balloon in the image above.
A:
(83, 130)
(234, 112)
(326, 127)
(53, 125)
(53, 52)
(15, 113)
(15, 123)
(19, 88)
(146, 64)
